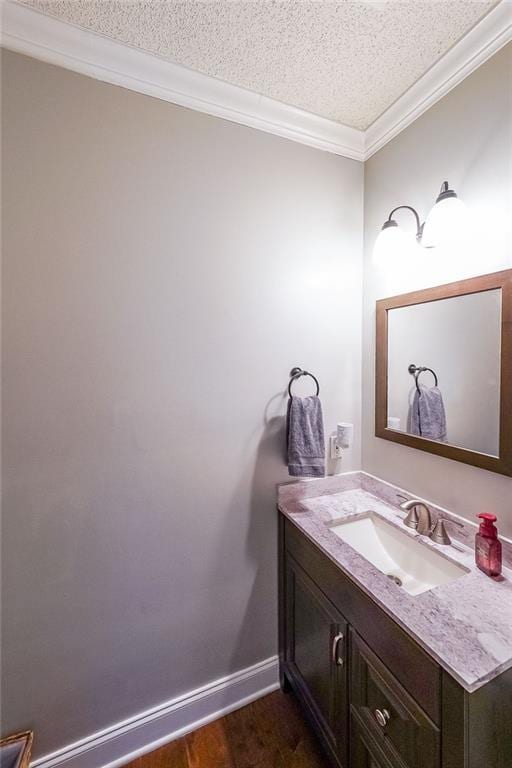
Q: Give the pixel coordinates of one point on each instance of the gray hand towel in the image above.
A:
(428, 418)
(305, 437)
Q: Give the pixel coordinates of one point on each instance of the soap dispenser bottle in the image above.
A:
(488, 546)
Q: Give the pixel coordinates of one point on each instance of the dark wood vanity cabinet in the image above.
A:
(374, 697)
(316, 657)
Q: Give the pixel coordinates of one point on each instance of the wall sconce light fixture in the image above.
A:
(445, 220)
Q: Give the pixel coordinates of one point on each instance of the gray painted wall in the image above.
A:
(163, 271)
(465, 138)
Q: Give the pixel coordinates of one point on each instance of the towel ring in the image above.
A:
(296, 373)
(416, 370)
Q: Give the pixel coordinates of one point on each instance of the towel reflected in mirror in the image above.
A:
(427, 416)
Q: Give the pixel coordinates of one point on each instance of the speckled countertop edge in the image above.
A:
(466, 625)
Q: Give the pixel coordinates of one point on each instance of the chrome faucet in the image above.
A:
(422, 522)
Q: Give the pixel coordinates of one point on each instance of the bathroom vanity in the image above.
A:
(392, 671)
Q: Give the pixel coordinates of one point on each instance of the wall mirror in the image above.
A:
(444, 371)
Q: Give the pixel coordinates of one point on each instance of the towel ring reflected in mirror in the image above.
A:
(296, 373)
(416, 370)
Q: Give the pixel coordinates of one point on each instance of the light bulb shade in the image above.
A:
(391, 243)
(447, 222)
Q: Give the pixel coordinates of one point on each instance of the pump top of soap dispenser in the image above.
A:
(487, 528)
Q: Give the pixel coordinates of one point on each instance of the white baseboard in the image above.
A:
(123, 742)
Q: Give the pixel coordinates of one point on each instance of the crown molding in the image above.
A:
(35, 34)
(479, 44)
(26, 30)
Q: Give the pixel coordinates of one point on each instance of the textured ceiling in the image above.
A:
(347, 61)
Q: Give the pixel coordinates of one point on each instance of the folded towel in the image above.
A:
(428, 417)
(305, 437)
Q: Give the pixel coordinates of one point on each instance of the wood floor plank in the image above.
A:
(250, 742)
(209, 746)
(269, 733)
(172, 755)
(272, 726)
(285, 724)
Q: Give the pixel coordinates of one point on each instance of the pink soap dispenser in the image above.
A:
(488, 546)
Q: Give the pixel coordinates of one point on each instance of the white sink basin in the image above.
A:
(410, 564)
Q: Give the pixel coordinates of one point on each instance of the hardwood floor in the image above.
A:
(269, 733)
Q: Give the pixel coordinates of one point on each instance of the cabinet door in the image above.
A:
(316, 635)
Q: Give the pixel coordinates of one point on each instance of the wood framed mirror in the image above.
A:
(444, 371)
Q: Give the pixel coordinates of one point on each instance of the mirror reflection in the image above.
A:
(444, 370)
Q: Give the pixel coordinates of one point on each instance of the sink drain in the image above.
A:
(394, 578)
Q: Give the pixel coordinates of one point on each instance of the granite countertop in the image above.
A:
(465, 625)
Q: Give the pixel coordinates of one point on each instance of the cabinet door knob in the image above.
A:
(337, 658)
(382, 716)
